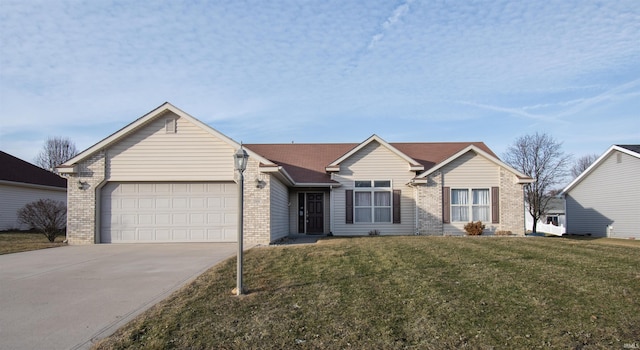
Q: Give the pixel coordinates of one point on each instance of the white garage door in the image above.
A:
(169, 212)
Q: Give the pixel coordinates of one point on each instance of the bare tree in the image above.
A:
(56, 150)
(539, 156)
(45, 215)
(582, 164)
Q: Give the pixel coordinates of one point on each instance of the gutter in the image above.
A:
(34, 186)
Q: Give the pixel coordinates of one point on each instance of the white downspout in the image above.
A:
(415, 195)
(331, 209)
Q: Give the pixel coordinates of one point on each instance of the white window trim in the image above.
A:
(372, 190)
(469, 204)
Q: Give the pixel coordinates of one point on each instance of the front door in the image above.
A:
(315, 213)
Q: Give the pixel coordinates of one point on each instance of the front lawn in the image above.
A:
(406, 292)
(15, 242)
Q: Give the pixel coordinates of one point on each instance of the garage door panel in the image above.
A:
(196, 235)
(197, 218)
(180, 219)
(145, 203)
(168, 212)
(145, 235)
(197, 203)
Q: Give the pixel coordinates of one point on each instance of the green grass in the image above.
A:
(15, 242)
(406, 293)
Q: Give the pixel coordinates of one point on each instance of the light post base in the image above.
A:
(234, 291)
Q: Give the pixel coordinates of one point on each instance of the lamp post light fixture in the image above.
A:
(240, 164)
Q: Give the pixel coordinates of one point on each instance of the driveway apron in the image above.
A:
(68, 297)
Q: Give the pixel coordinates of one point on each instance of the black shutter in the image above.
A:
(348, 206)
(396, 206)
(446, 205)
(495, 205)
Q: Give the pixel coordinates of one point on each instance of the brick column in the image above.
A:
(257, 205)
(511, 203)
(429, 205)
(81, 199)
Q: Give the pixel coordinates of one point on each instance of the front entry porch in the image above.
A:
(312, 212)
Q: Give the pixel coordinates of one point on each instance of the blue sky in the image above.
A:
(324, 71)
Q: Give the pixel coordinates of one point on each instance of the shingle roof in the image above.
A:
(306, 163)
(17, 170)
(633, 148)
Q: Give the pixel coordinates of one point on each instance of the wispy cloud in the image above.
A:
(521, 112)
(396, 16)
(559, 111)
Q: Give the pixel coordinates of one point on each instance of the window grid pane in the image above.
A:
(363, 199)
(385, 183)
(363, 215)
(382, 199)
(383, 215)
(460, 197)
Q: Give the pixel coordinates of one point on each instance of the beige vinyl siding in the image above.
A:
(470, 171)
(14, 197)
(152, 154)
(609, 195)
(374, 162)
(279, 209)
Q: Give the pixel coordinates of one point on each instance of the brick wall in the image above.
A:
(511, 203)
(429, 204)
(257, 208)
(81, 207)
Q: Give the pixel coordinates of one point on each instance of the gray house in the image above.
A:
(604, 201)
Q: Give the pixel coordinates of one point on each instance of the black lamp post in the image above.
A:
(240, 164)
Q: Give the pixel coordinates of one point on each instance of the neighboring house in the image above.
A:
(169, 177)
(604, 200)
(555, 220)
(22, 183)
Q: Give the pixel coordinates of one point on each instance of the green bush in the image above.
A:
(474, 228)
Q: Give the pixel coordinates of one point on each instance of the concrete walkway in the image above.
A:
(66, 298)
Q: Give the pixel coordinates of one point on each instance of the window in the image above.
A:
(372, 201)
(476, 208)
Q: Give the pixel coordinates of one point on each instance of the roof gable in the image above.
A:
(68, 167)
(632, 150)
(335, 165)
(17, 170)
(522, 178)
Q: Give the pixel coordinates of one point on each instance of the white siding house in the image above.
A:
(22, 183)
(604, 201)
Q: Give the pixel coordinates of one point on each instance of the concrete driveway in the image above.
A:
(66, 298)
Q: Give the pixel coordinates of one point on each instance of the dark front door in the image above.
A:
(315, 213)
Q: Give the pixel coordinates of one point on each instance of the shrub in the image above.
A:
(46, 216)
(374, 233)
(503, 233)
(474, 228)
